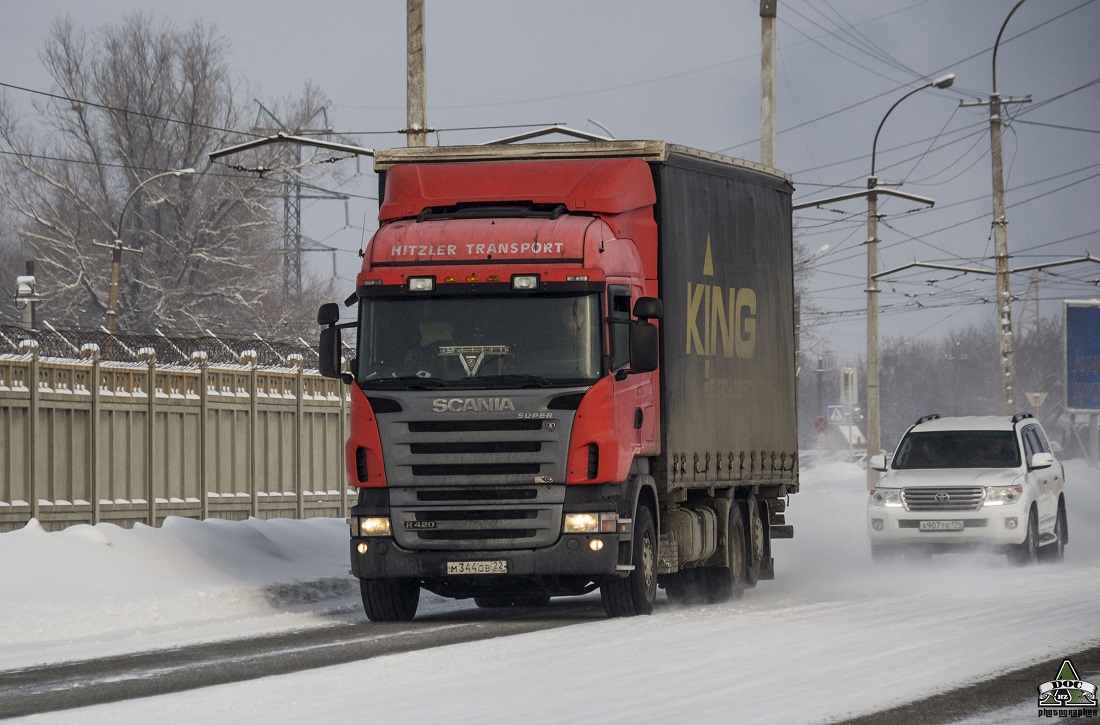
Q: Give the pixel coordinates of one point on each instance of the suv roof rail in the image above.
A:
(1020, 416)
(926, 418)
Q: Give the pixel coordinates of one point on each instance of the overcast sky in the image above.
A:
(688, 72)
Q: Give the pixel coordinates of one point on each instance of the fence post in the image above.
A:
(299, 376)
(251, 359)
(90, 352)
(30, 348)
(148, 355)
(200, 359)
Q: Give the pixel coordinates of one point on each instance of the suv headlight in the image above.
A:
(1001, 495)
(889, 497)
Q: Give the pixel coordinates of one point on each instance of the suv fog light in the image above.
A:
(361, 548)
(876, 524)
(1011, 522)
(595, 544)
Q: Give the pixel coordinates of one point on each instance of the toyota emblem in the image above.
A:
(943, 496)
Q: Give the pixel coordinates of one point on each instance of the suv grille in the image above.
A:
(943, 499)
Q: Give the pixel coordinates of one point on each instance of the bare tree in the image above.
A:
(138, 99)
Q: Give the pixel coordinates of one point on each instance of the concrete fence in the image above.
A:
(84, 440)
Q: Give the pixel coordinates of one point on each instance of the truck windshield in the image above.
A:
(958, 449)
(479, 341)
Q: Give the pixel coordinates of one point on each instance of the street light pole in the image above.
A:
(874, 440)
(117, 248)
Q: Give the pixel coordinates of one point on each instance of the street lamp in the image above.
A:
(117, 248)
(874, 441)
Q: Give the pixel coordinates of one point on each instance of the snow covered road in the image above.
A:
(832, 637)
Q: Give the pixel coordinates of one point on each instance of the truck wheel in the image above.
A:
(635, 593)
(1025, 553)
(389, 601)
(1056, 550)
(755, 542)
(726, 583)
(685, 587)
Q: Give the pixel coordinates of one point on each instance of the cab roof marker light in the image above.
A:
(525, 282)
(421, 284)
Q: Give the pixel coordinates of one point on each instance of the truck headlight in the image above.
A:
(1001, 495)
(594, 523)
(370, 526)
(888, 497)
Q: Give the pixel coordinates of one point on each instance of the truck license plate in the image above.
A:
(477, 567)
(941, 525)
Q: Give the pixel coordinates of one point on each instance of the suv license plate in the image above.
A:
(941, 525)
(477, 567)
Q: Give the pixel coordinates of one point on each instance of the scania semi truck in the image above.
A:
(573, 367)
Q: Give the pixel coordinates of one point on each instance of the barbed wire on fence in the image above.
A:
(170, 349)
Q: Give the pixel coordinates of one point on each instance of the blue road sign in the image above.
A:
(837, 414)
(1082, 356)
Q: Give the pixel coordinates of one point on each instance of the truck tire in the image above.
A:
(1026, 552)
(685, 587)
(635, 593)
(389, 601)
(756, 541)
(726, 583)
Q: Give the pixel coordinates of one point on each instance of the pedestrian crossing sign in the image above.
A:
(837, 414)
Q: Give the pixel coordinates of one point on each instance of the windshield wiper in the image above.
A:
(407, 382)
(519, 381)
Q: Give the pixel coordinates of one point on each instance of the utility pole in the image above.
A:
(292, 198)
(820, 370)
(417, 93)
(767, 82)
(1000, 234)
(956, 358)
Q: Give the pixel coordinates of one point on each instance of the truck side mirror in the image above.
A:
(649, 308)
(644, 353)
(329, 359)
(328, 314)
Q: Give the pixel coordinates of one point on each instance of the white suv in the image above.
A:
(962, 482)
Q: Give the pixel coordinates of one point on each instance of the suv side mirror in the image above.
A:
(878, 462)
(1042, 460)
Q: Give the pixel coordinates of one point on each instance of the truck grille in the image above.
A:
(943, 499)
(477, 481)
(477, 518)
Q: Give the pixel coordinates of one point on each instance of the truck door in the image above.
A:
(635, 414)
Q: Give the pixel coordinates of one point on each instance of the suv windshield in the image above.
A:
(958, 449)
(541, 340)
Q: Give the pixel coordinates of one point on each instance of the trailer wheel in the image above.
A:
(756, 542)
(635, 593)
(726, 583)
(389, 601)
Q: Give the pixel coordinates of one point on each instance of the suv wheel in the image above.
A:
(1026, 552)
(1055, 550)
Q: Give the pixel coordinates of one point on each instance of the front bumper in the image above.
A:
(989, 525)
(570, 556)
